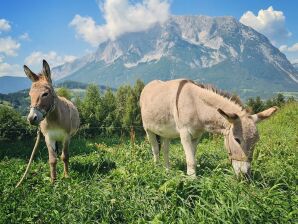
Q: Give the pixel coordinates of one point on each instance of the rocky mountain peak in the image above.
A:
(203, 48)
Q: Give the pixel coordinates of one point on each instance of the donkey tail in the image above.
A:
(31, 158)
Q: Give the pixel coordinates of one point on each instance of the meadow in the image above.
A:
(113, 181)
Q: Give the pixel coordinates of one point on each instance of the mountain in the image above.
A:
(10, 84)
(66, 69)
(217, 50)
(295, 65)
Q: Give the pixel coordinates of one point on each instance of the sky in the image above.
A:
(63, 30)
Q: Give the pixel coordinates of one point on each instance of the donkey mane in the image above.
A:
(231, 97)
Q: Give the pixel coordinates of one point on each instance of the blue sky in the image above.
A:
(61, 30)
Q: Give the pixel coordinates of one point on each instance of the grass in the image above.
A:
(113, 182)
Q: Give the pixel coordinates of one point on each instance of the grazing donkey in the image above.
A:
(185, 109)
(57, 116)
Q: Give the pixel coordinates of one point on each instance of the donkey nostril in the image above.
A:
(35, 118)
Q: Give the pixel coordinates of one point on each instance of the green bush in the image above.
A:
(12, 125)
(257, 104)
(64, 92)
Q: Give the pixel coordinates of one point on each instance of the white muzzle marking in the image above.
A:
(34, 116)
(241, 167)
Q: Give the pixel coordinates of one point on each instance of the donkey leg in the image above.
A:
(195, 142)
(52, 157)
(154, 144)
(165, 151)
(65, 156)
(189, 151)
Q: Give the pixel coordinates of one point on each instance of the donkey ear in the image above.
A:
(31, 75)
(46, 70)
(264, 114)
(231, 117)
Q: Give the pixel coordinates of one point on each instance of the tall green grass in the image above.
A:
(114, 182)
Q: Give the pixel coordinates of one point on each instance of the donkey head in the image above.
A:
(41, 93)
(241, 138)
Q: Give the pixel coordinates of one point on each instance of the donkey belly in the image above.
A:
(157, 106)
(167, 130)
(56, 134)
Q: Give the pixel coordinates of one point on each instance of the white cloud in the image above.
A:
(36, 57)
(69, 58)
(9, 69)
(9, 46)
(285, 48)
(121, 17)
(88, 30)
(291, 52)
(4, 25)
(269, 22)
(25, 36)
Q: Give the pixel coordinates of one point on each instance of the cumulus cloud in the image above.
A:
(25, 36)
(9, 69)
(121, 17)
(87, 29)
(269, 22)
(285, 48)
(291, 52)
(4, 25)
(36, 57)
(9, 46)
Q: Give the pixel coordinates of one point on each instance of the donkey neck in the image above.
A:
(54, 114)
(213, 121)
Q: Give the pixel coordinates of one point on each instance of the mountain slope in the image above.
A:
(10, 84)
(295, 66)
(217, 50)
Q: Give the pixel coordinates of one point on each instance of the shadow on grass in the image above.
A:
(21, 149)
(103, 167)
(78, 146)
(206, 163)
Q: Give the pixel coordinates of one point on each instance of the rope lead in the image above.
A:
(31, 158)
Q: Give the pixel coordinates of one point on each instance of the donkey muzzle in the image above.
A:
(242, 168)
(35, 116)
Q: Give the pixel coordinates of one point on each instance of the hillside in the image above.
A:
(11, 84)
(20, 100)
(217, 50)
(296, 66)
(115, 182)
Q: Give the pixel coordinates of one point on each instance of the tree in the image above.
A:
(12, 125)
(132, 116)
(64, 92)
(122, 95)
(256, 105)
(291, 99)
(90, 111)
(279, 100)
(108, 112)
(269, 103)
(138, 87)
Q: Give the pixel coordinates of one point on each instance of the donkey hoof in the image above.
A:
(66, 176)
(191, 175)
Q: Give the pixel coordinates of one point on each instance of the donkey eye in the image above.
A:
(238, 140)
(45, 94)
